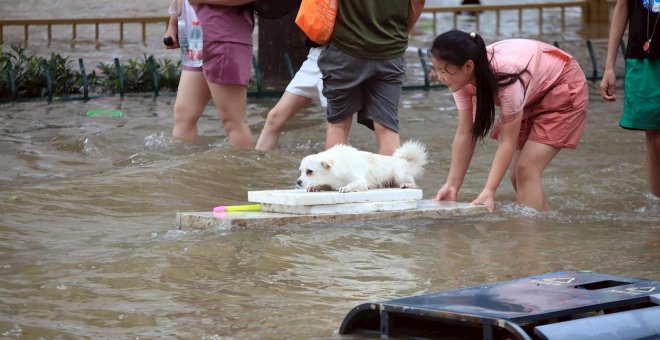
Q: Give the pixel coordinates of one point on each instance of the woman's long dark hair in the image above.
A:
(457, 47)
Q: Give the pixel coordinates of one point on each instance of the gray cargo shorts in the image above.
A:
(370, 87)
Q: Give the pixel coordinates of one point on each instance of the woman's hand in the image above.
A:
(486, 197)
(173, 33)
(447, 193)
(608, 85)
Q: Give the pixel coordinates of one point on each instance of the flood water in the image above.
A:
(89, 248)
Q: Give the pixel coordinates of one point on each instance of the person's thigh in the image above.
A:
(192, 95)
(287, 107)
(534, 157)
(230, 101)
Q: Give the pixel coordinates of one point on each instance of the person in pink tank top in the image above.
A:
(224, 75)
(543, 97)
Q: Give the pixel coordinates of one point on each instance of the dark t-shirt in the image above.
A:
(638, 18)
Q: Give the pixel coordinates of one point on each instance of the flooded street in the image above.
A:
(89, 249)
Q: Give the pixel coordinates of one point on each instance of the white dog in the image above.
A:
(347, 169)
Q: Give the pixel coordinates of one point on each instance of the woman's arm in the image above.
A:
(414, 12)
(172, 32)
(221, 2)
(507, 147)
(173, 25)
(462, 150)
(618, 26)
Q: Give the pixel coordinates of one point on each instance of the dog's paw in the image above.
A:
(408, 186)
(317, 188)
(353, 187)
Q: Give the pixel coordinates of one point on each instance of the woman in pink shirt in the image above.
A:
(542, 95)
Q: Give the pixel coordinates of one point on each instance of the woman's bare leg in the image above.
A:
(192, 97)
(653, 160)
(231, 105)
(529, 168)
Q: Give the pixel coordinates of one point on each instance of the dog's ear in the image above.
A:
(327, 164)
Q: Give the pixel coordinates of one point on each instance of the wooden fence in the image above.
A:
(478, 10)
(592, 11)
(74, 23)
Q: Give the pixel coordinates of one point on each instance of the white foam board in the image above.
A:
(425, 209)
(343, 208)
(302, 197)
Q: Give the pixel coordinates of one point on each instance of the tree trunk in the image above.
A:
(277, 37)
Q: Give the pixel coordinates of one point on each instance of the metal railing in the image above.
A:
(477, 10)
(585, 6)
(74, 23)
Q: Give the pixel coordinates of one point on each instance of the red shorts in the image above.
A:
(226, 63)
(558, 119)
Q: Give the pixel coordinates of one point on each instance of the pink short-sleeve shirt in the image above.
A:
(553, 101)
(544, 62)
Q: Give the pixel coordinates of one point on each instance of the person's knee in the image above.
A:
(181, 108)
(183, 114)
(274, 118)
(524, 170)
(234, 124)
(231, 125)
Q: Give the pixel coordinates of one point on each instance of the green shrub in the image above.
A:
(65, 80)
(30, 77)
(138, 74)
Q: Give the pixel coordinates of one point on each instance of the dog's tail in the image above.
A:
(414, 152)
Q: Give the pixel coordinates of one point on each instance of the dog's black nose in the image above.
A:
(299, 182)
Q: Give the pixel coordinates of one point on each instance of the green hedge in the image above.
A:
(27, 76)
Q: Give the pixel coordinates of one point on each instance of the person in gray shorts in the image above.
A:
(363, 68)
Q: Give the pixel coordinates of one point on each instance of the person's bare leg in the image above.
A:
(653, 160)
(285, 108)
(231, 105)
(529, 168)
(191, 98)
(338, 133)
(388, 140)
